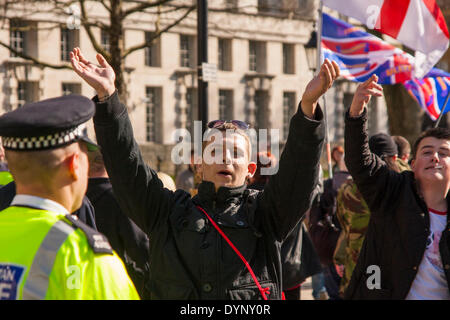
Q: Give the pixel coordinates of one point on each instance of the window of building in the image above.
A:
(261, 112)
(153, 52)
(104, 40)
(231, 5)
(69, 40)
(153, 113)
(252, 56)
(191, 109)
(23, 37)
(187, 51)
(27, 91)
(288, 111)
(288, 58)
(257, 56)
(263, 6)
(226, 104)
(70, 88)
(17, 36)
(224, 55)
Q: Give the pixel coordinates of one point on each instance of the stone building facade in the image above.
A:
(257, 46)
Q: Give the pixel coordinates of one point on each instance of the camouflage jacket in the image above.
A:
(403, 165)
(353, 215)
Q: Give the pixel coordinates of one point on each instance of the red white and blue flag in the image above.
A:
(360, 54)
(418, 24)
(431, 92)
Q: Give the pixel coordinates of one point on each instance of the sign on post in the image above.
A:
(209, 72)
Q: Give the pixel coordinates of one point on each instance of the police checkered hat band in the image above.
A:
(47, 124)
(50, 141)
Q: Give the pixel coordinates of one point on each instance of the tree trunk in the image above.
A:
(405, 115)
(116, 34)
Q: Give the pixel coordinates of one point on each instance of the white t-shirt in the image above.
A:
(430, 282)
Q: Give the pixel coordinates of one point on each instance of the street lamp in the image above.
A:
(202, 49)
(312, 55)
(311, 51)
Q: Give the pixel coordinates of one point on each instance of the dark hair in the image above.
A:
(224, 128)
(403, 145)
(438, 133)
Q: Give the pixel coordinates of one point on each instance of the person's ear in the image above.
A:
(251, 169)
(413, 162)
(73, 165)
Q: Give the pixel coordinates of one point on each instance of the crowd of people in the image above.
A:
(100, 223)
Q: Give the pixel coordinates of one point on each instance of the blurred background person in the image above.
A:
(125, 237)
(404, 152)
(337, 156)
(167, 181)
(354, 214)
(185, 179)
(299, 258)
(324, 227)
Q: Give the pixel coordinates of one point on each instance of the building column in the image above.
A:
(181, 102)
(250, 103)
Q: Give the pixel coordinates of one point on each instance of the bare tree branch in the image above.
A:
(157, 34)
(166, 9)
(34, 60)
(87, 27)
(143, 6)
(105, 5)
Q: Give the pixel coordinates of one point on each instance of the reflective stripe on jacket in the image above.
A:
(42, 256)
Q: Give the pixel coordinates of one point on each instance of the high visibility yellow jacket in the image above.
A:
(5, 178)
(46, 255)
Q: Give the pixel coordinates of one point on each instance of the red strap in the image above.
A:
(263, 291)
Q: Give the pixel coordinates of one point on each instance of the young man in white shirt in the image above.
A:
(406, 252)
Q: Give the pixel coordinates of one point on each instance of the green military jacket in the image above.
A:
(353, 215)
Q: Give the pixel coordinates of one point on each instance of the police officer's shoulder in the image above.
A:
(97, 241)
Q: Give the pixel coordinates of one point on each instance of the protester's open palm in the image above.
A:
(100, 77)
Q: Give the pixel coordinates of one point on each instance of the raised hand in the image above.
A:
(100, 77)
(363, 94)
(329, 71)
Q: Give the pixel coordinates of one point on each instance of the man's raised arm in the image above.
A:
(288, 193)
(137, 188)
(367, 169)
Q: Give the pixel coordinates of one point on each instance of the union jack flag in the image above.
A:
(418, 24)
(431, 91)
(360, 54)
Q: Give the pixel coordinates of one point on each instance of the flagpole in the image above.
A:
(325, 116)
(442, 110)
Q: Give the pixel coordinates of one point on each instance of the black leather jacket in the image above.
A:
(188, 258)
(399, 224)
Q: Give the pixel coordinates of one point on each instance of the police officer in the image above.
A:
(46, 253)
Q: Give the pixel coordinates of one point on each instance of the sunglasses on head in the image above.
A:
(217, 123)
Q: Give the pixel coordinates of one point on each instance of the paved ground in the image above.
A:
(306, 293)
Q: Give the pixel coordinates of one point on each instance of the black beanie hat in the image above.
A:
(382, 144)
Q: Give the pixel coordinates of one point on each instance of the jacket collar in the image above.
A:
(207, 194)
